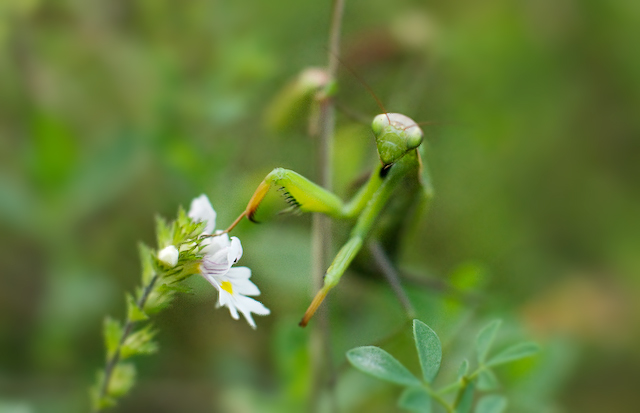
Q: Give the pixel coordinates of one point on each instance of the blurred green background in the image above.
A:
(113, 111)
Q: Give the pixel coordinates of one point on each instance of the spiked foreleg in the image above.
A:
(306, 196)
(298, 191)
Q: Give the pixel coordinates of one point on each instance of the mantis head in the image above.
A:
(396, 135)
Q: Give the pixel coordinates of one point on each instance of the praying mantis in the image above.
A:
(398, 187)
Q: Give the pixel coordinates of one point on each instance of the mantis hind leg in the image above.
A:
(391, 275)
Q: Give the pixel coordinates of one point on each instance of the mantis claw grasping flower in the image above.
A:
(396, 187)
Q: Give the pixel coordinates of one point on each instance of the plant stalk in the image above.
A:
(322, 370)
(128, 327)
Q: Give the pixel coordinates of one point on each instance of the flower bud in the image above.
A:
(169, 256)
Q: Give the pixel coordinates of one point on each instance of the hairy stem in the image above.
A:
(128, 327)
(321, 225)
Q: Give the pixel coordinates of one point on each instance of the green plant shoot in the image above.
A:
(397, 188)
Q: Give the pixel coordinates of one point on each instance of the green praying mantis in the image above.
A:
(397, 189)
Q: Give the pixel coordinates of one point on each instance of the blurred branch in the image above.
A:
(324, 124)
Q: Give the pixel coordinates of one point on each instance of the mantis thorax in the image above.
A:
(396, 134)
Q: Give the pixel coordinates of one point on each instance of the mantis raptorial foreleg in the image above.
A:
(306, 196)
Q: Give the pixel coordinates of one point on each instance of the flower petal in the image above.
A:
(212, 245)
(239, 273)
(229, 302)
(212, 268)
(202, 211)
(233, 311)
(239, 278)
(235, 250)
(221, 261)
(249, 319)
(211, 278)
(224, 298)
(249, 304)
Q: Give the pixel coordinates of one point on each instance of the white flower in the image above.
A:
(234, 287)
(202, 211)
(220, 253)
(169, 256)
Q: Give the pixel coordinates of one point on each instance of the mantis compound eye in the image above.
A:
(379, 123)
(414, 136)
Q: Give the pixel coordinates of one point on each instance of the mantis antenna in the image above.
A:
(366, 86)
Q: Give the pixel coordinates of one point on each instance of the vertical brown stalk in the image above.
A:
(322, 369)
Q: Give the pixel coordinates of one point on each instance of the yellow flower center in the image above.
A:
(226, 285)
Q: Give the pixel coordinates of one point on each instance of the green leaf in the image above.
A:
(176, 275)
(462, 370)
(429, 350)
(158, 299)
(487, 380)
(466, 399)
(415, 399)
(139, 343)
(492, 404)
(146, 261)
(183, 219)
(186, 230)
(378, 363)
(178, 288)
(513, 353)
(134, 313)
(112, 335)
(122, 380)
(164, 232)
(485, 339)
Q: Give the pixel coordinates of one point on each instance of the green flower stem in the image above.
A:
(128, 327)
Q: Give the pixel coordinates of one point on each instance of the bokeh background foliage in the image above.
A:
(111, 111)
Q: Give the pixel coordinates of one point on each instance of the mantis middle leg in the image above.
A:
(351, 248)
